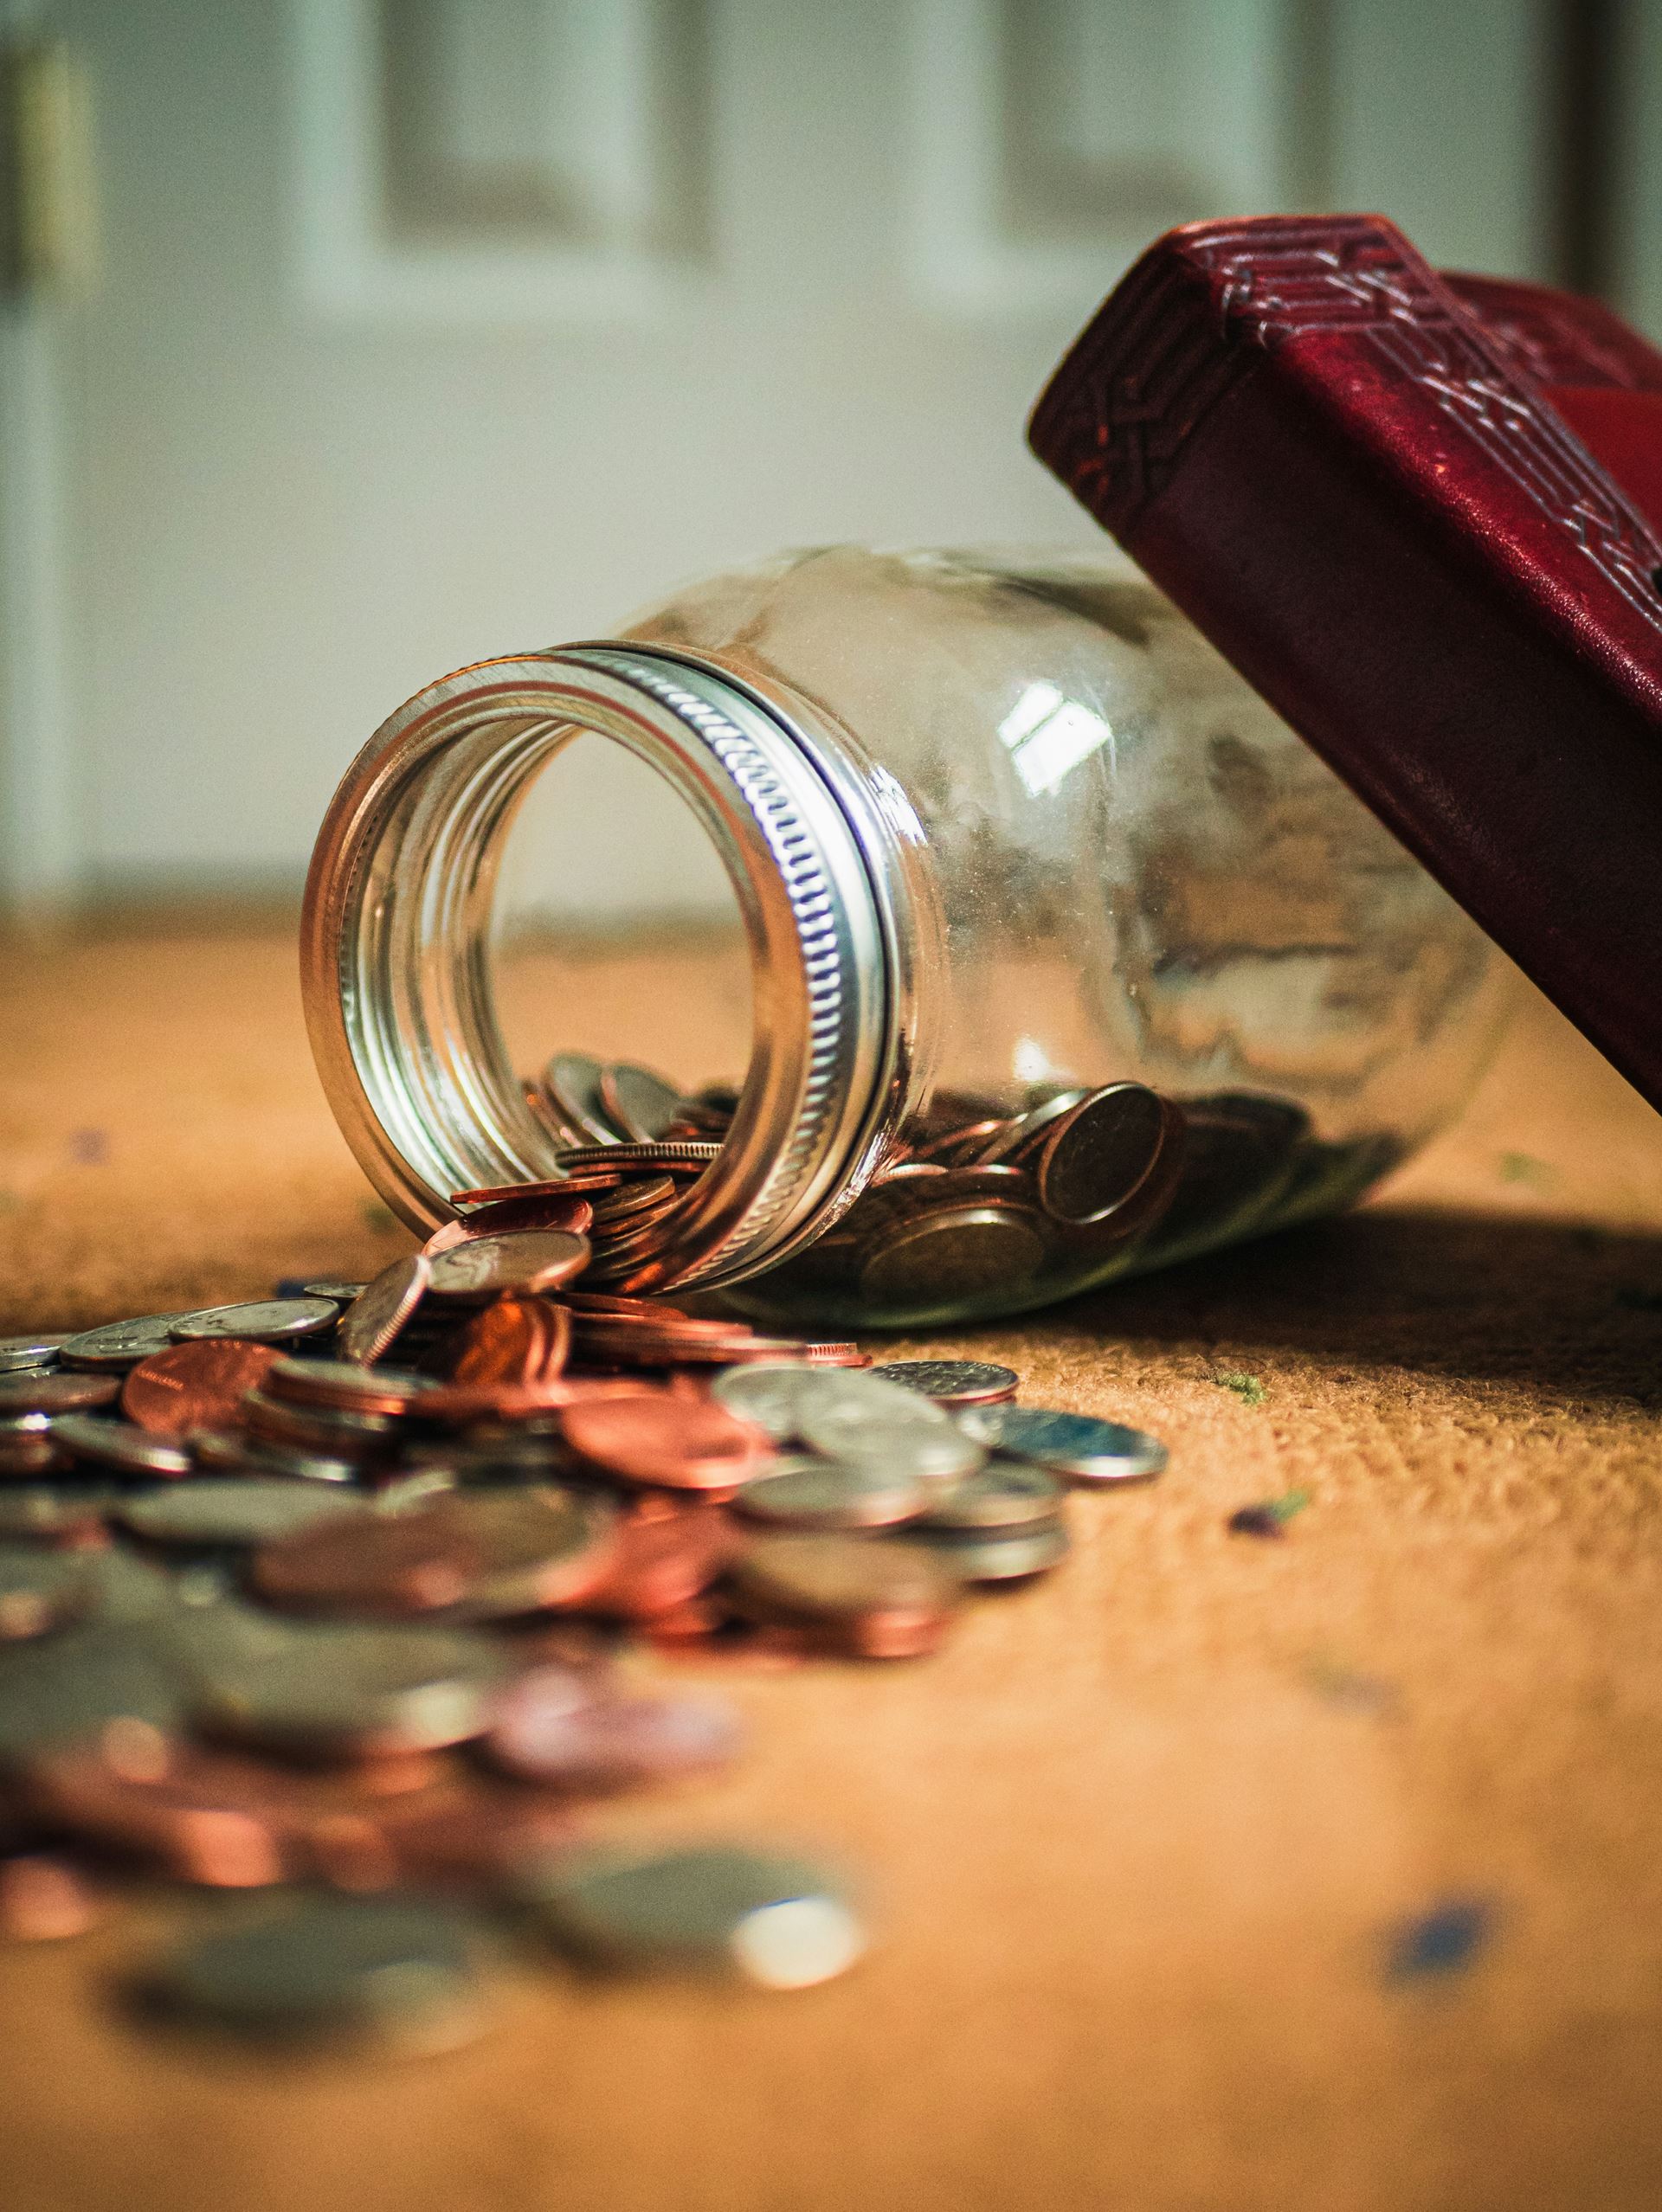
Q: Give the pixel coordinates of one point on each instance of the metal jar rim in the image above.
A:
(395, 941)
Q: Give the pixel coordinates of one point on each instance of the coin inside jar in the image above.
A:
(527, 1260)
(1097, 1157)
(945, 1257)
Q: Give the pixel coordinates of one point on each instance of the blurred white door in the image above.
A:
(431, 329)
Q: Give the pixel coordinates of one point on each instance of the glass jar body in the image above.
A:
(1150, 978)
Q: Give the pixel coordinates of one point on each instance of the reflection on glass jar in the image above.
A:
(1068, 957)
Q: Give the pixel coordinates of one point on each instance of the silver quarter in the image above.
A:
(952, 1382)
(1001, 1555)
(520, 1260)
(639, 1104)
(1006, 1494)
(119, 1344)
(261, 1320)
(29, 1351)
(119, 1444)
(240, 1509)
(709, 1908)
(861, 1418)
(372, 1322)
(807, 1493)
(1077, 1447)
(770, 1393)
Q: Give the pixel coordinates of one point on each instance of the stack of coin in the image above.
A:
(972, 1201)
(332, 1590)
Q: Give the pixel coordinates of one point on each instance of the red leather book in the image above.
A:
(1412, 511)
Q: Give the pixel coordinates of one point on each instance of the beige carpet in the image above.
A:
(1137, 1843)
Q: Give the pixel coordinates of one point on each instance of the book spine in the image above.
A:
(1308, 442)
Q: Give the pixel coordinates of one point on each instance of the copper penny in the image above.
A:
(381, 1565)
(540, 1206)
(343, 1386)
(516, 1340)
(681, 1443)
(196, 1386)
(232, 1822)
(664, 1562)
(461, 1405)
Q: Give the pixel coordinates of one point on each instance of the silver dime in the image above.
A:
(995, 1555)
(953, 1382)
(807, 1493)
(1075, 1446)
(261, 1320)
(239, 1510)
(120, 1344)
(372, 1320)
(119, 1444)
(34, 1351)
(707, 1909)
(1006, 1494)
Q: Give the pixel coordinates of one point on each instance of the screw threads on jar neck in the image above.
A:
(396, 941)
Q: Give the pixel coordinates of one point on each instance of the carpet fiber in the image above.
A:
(1209, 1872)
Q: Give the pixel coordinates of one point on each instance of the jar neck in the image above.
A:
(396, 941)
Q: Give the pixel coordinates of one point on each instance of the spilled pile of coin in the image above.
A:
(972, 1197)
(330, 1594)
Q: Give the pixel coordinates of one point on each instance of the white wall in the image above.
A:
(291, 503)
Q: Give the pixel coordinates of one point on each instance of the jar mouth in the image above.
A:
(397, 930)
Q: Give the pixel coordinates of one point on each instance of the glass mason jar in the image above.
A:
(1068, 957)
